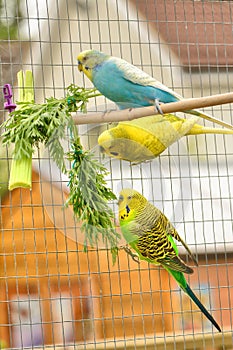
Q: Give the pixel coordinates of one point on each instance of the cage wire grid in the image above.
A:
(55, 295)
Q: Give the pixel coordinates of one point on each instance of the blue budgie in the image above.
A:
(127, 85)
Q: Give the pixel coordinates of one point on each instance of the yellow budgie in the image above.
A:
(145, 138)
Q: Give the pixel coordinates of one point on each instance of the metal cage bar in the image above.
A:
(55, 295)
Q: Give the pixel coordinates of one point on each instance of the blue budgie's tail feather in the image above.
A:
(190, 293)
(210, 118)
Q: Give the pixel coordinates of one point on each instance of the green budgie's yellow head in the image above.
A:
(130, 203)
(89, 59)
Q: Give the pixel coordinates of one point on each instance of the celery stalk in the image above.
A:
(21, 169)
(21, 173)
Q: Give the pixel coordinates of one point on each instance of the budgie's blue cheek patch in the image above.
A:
(124, 216)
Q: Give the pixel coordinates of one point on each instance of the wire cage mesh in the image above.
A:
(55, 295)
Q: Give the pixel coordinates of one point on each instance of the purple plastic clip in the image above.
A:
(8, 97)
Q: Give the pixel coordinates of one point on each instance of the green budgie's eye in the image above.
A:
(87, 68)
(129, 197)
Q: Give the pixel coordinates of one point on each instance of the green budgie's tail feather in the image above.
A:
(210, 118)
(180, 279)
(190, 293)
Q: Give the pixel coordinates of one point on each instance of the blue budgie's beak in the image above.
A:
(80, 66)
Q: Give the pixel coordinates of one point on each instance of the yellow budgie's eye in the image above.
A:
(114, 153)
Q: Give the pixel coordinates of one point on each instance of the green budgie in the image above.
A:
(147, 230)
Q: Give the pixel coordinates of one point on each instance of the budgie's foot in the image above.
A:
(143, 162)
(129, 251)
(157, 106)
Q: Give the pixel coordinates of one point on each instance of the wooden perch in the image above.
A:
(134, 113)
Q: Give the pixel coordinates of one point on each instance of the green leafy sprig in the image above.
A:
(32, 124)
(47, 123)
(89, 198)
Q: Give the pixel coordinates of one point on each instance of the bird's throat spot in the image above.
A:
(127, 213)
